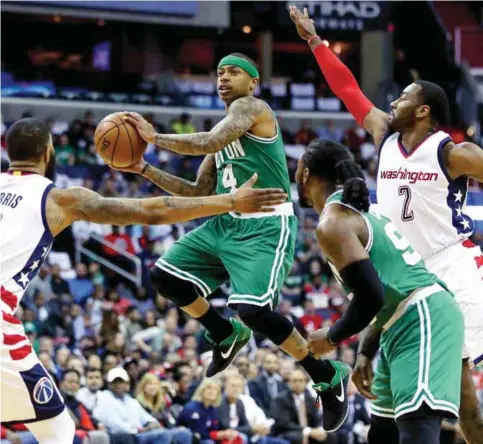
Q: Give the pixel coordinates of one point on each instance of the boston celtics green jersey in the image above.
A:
(400, 268)
(248, 155)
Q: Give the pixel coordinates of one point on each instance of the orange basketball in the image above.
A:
(118, 142)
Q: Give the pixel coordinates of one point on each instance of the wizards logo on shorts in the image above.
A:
(43, 391)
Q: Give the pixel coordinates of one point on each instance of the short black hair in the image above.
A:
(334, 163)
(322, 156)
(245, 57)
(27, 139)
(93, 370)
(70, 371)
(437, 100)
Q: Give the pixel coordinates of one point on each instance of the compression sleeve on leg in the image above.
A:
(342, 83)
(368, 297)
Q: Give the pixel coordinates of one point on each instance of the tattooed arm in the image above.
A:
(66, 206)
(243, 113)
(205, 181)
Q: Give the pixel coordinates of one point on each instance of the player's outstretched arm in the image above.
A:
(338, 235)
(243, 113)
(205, 181)
(340, 79)
(464, 159)
(67, 206)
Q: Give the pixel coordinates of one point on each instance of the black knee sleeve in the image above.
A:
(262, 320)
(176, 290)
(419, 430)
(383, 431)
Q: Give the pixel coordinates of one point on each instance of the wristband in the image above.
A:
(309, 41)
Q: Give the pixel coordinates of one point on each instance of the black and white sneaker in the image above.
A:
(334, 397)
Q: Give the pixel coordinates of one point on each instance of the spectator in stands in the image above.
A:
(285, 308)
(183, 125)
(292, 288)
(42, 283)
(117, 303)
(89, 121)
(57, 283)
(121, 240)
(232, 414)
(88, 395)
(311, 320)
(268, 385)
(242, 363)
(305, 134)
(85, 424)
(81, 286)
(131, 365)
(297, 417)
(122, 414)
(200, 415)
(48, 363)
(59, 325)
(75, 362)
(94, 361)
(110, 361)
(64, 151)
(331, 132)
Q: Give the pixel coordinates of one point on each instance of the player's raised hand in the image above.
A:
(303, 22)
(363, 375)
(144, 128)
(249, 200)
(319, 342)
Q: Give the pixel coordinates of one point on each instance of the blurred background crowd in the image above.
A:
(91, 313)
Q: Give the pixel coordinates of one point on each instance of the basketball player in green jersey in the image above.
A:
(419, 373)
(255, 253)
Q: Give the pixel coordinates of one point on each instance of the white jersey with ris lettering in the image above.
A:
(28, 392)
(415, 191)
(25, 237)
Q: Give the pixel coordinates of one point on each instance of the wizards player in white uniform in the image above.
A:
(422, 188)
(32, 212)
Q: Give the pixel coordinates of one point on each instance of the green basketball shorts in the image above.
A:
(421, 359)
(256, 254)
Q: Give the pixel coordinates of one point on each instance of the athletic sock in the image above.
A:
(219, 327)
(318, 370)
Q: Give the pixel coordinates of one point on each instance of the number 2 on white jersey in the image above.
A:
(410, 256)
(406, 214)
(228, 178)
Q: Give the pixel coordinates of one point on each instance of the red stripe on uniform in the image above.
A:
(10, 319)
(20, 353)
(468, 244)
(9, 298)
(13, 339)
(479, 261)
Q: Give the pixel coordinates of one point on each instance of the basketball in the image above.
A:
(118, 142)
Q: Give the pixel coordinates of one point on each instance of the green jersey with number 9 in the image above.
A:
(237, 162)
(400, 268)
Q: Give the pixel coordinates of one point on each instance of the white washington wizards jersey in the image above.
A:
(25, 238)
(415, 191)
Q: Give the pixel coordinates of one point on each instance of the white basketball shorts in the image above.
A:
(27, 392)
(461, 268)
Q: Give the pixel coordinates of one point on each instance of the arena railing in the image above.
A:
(135, 277)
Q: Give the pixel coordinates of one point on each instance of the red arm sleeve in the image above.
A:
(342, 83)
